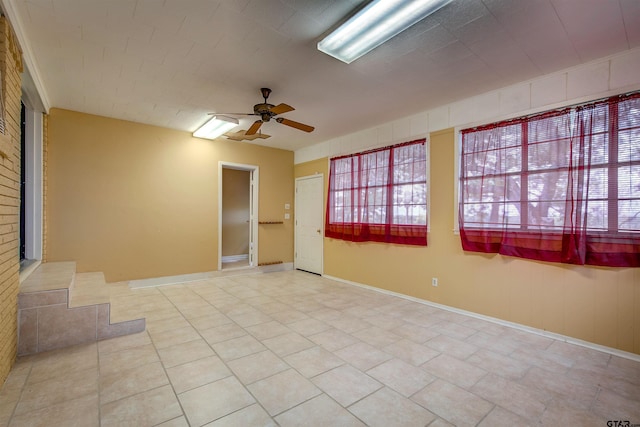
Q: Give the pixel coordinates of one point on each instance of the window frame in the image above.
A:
(356, 228)
(615, 160)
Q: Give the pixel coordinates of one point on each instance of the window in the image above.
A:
(379, 195)
(562, 186)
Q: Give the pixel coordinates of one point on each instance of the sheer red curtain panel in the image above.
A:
(379, 195)
(562, 186)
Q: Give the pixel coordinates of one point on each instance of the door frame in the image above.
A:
(33, 184)
(254, 172)
(295, 239)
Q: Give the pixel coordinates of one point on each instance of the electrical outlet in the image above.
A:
(434, 281)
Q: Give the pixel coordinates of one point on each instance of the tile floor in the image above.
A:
(294, 349)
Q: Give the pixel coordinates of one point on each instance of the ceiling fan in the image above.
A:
(241, 135)
(267, 111)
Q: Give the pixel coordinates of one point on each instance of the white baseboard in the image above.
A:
(169, 280)
(234, 258)
(513, 325)
(286, 266)
(194, 277)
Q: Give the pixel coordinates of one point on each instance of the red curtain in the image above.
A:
(562, 186)
(379, 195)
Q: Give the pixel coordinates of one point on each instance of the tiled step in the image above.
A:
(89, 288)
(48, 319)
(50, 276)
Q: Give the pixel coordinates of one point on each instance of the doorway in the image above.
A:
(237, 216)
(309, 225)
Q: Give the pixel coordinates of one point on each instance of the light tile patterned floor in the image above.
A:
(294, 349)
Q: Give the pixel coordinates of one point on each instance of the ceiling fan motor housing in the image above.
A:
(264, 111)
(268, 111)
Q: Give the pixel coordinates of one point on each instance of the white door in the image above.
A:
(309, 230)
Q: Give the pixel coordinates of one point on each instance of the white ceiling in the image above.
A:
(170, 62)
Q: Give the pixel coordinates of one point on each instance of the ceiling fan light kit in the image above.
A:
(215, 127)
(376, 23)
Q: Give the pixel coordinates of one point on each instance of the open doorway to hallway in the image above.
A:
(237, 216)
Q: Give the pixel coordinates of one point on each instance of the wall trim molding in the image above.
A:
(506, 323)
(234, 258)
(28, 57)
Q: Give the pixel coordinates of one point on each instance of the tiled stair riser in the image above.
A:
(46, 322)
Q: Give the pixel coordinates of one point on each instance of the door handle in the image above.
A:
(318, 231)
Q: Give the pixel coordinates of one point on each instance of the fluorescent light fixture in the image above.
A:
(379, 21)
(216, 127)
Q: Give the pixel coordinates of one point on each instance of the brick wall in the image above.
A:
(11, 68)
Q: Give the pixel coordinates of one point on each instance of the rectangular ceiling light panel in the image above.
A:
(215, 127)
(379, 21)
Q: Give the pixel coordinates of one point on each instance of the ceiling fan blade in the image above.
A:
(241, 135)
(282, 108)
(235, 136)
(300, 126)
(232, 114)
(256, 136)
(254, 128)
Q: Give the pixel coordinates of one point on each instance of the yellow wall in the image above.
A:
(235, 212)
(599, 305)
(138, 201)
